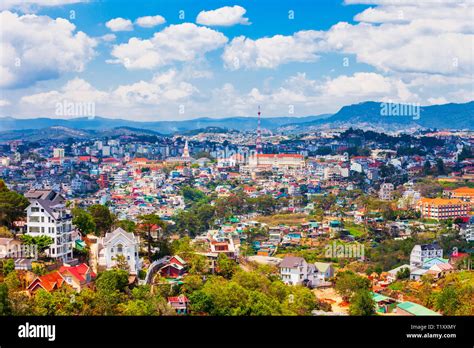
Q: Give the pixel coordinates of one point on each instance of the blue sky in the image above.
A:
(143, 60)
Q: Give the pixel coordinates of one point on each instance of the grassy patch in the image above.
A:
(355, 230)
(396, 286)
(283, 219)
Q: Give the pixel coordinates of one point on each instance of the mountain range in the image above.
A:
(366, 114)
(164, 127)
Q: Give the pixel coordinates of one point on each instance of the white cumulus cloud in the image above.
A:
(119, 24)
(270, 52)
(225, 16)
(150, 21)
(38, 48)
(176, 43)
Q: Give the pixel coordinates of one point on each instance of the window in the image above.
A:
(34, 209)
(119, 248)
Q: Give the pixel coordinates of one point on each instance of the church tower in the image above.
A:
(186, 149)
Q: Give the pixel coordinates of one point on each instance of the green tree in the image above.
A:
(127, 225)
(41, 242)
(121, 263)
(198, 264)
(112, 280)
(192, 195)
(404, 273)
(83, 221)
(5, 232)
(102, 217)
(348, 283)
(187, 223)
(8, 267)
(12, 205)
(362, 303)
(225, 266)
(440, 168)
(447, 300)
(149, 222)
(4, 301)
(265, 204)
(427, 168)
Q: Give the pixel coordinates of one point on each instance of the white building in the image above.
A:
(281, 160)
(409, 199)
(58, 152)
(422, 252)
(106, 151)
(47, 215)
(385, 192)
(335, 172)
(296, 271)
(119, 242)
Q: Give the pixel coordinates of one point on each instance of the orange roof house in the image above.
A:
(48, 282)
(78, 277)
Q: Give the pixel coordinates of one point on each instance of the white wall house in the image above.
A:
(324, 270)
(119, 242)
(421, 252)
(47, 215)
(295, 270)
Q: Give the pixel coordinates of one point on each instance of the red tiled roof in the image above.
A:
(110, 160)
(178, 299)
(79, 272)
(49, 281)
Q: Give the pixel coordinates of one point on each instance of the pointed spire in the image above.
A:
(186, 149)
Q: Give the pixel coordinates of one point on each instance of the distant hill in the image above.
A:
(362, 115)
(163, 127)
(62, 133)
(56, 132)
(454, 116)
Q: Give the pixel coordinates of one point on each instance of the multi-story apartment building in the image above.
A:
(420, 253)
(58, 152)
(47, 215)
(386, 191)
(441, 208)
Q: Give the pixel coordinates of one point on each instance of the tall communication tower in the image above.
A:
(259, 134)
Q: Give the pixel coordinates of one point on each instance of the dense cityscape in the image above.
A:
(219, 222)
(251, 173)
